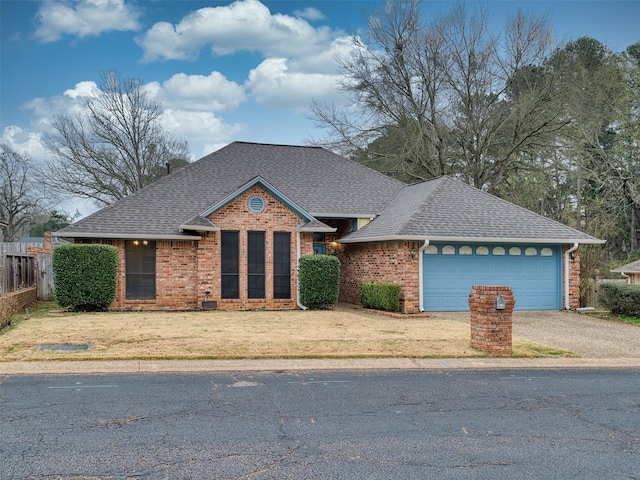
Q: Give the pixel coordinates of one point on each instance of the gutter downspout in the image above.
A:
(420, 289)
(300, 306)
(566, 274)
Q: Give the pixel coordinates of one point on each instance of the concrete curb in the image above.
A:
(212, 366)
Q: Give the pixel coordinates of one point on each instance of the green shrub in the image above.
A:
(319, 281)
(380, 296)
(620, 298)
(85, 276)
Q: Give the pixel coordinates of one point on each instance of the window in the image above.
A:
(230, 265)
(255, 265)
(140, 265)
(281, 265)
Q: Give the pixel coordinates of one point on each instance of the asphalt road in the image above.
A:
(453, 424)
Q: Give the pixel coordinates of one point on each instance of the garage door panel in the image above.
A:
(534, 279)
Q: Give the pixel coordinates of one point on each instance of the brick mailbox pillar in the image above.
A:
(491, 327)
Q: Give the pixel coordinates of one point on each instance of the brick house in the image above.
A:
(231, 226)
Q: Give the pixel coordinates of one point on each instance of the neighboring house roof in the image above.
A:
(445, 209)
(633, 267)
(40, 240)
(319, 182)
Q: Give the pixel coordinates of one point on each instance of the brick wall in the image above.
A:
(185, 270)
(22, 298)
(381, 262)
(491, 329)
(236, 215)
(574, 279)
(176, 277)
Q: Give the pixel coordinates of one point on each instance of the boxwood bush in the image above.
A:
(319, 281)
(620, 298)
(380, 296)
(85, 276)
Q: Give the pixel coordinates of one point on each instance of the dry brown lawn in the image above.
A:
(341, 333)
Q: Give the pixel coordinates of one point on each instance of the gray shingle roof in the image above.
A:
(448, 209)
(319, 181)
(633, 267)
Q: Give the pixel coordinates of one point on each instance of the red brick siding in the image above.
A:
(186, 269)
(236, 215)
(381, 262)
(491, 329)
(21, 299)
(574, 279)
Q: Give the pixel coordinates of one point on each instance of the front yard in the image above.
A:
(342, 333)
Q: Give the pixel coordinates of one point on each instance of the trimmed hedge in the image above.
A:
(380, 296)
(85, 276)
(620, 298)
(319, 281)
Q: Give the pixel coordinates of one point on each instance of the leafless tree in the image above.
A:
(18, 197)
(114, 145)
(445, 96)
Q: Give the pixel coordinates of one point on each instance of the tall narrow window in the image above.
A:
(281, 265)
(140, 270)
(255, 265)
(230, 287)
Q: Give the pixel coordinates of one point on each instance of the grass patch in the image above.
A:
(619, 318)
(340, 333)
(525, 348)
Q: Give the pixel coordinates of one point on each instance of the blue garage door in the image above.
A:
(532, 271)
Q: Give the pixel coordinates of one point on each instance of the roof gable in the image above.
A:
(269, 188)
(446, 209)
(313, 179)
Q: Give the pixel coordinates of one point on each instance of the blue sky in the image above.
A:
(225, 71)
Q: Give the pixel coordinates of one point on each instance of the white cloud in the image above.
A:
(272, 84)
(310, 13)
(244, 25)
(198, 92)
(24, 142)
(83, 18)
(204, 131)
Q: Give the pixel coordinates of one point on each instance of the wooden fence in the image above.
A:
(18, 270)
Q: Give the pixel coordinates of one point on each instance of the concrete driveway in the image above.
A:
(584, 335)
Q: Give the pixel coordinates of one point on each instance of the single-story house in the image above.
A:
(231, 226)
(630, 271)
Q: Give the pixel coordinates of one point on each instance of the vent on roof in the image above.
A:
(256, 204)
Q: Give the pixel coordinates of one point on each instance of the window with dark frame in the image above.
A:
(255, 264)
(140, 266)
(230, 264)
(281, 265)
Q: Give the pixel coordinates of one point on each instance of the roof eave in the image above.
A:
(126, 236)
(422, 238)
(318, 215)
(317, 229)
(198, 228)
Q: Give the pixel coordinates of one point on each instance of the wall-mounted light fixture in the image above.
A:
(413, 252)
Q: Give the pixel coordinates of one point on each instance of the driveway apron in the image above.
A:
(582, 334)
